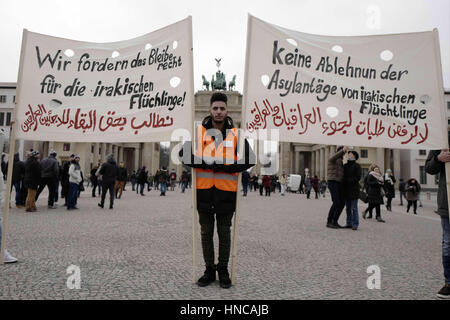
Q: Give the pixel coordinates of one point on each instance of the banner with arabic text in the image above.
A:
(375, 91)
(130, 91)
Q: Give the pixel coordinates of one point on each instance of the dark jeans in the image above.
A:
(105, 188)
(402, 195)
(51, 184)
(100, 184)
(337, 196)
(65, 189)
(245, 187)
(388, 203)
(207, 234)
(261, 188)
(377, 208)
(94, 187)
(72, 196)
(140, 187)
(183, 186)
(56, 190)
(413, 203)
(446, 248)
(18, 187)
(267, 191)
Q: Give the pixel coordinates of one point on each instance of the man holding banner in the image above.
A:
(435, 164)
(215, 160)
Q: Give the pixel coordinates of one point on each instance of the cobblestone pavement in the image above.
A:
(142, 249)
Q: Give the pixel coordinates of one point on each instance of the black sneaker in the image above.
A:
(444, 293)
(380, 220)
(100, 205)
(338, 226)
(330, 225)
(347, 227)
(208, 277)
(224, 277)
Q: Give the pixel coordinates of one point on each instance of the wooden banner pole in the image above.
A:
(12, 149)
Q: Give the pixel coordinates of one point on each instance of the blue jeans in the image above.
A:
(163, 187)
(17, 186)
(245, 187)
(446, 248)
(183, 186)
(352, 212)
(72, 197)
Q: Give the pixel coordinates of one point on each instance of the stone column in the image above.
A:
(36, 145)
(380, 159)
(396, 168)
(322, 163)
(121, 154)
(103, 155)
(136, 159)
(297, 162)
(313, 163)
(317, 166)
(95, 156)
(326, 157)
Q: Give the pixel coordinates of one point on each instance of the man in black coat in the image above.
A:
(352, 175)
(32, 179)
(109, 172)
(17, 180)
(65, 178)
(49, 177)
(435, 164)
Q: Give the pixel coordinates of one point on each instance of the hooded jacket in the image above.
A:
(109, 171)
(32, 173)
(335, 171)
(214, 200)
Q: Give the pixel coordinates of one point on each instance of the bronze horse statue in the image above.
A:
(232, 83)
(205, 83)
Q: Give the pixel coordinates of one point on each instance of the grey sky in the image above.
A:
(219, 27)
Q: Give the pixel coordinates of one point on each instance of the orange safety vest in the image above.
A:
(225, 154)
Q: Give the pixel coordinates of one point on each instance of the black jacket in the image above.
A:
(49, 167)
(434, 166)
(122, 174)
(214, 200)
(374, 190)
(142, 176)
(32, 173)
(18, 169)
(389, 188)
(352, 175)
(109, 172)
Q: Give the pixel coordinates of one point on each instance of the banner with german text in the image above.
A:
(136, 90)
(375, 91)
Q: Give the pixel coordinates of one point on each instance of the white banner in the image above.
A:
(375, 91)
(130, 91)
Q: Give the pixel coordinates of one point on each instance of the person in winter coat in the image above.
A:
(74, 182)
(32, 180)
(412, 194)
(389, 188)
(267, 182)
(17, 180)
(335, 174)
(120, 180)
(323, 187)
(133, 179)
(142, 177)
(65, 179)
(94, 179)
(109, 171)
(245, 180)
(184, 181)
(306, 178)
(435, 164)
(315, 184)
(163, 178)
(374, 183)
(350, 181)
(283, 182)
(49, 177)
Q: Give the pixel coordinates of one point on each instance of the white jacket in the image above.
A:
(74, 174)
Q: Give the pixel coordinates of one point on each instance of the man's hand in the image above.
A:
(444, 156)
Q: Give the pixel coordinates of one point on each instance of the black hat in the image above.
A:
(355, 154)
